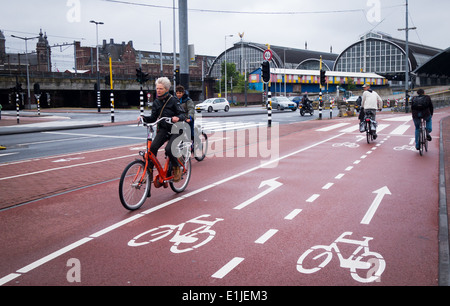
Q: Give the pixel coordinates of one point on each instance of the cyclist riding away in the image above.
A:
(166, 105)
(422, 107)
(371, 101)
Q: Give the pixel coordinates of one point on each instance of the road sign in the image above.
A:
(268, 55)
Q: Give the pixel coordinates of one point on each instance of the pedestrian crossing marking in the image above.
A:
(332, 127)
(400, 130)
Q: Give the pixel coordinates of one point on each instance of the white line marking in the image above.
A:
(400, 130)
(332, 127)
(293, 214)
(339, 176)
(313, 198)
(327, 186)
(228, 267)
(269, 234)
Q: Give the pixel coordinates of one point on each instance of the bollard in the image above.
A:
(112, 107)
(269, 108)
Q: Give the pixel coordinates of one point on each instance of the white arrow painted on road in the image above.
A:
(373, 208)
(273, 184)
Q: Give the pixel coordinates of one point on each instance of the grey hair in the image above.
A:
(164, 81)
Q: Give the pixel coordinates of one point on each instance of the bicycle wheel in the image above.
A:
(425, 140)
(201, 147)
(180, 186)
(132, 191)
(421, 141)
(368, 133)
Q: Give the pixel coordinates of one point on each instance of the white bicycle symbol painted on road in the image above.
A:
(365, 267)
(200, 235)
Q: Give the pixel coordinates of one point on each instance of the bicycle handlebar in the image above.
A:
(167, 119)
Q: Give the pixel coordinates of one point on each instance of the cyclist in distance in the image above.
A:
(422, 107)
(371, 101)
(166, 105)
(188, 106)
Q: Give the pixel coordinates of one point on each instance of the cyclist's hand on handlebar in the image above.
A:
(175, 119)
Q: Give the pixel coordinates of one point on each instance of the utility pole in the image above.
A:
(184, 43)
(407, 29)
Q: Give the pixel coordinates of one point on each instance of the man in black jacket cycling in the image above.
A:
(422, 107)
(166, 105)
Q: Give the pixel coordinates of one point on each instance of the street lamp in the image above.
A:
(26, 39)
(226, 96)
(98, 72)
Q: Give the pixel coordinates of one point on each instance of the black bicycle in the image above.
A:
(368, 123)
(200, 145)
(423, 141)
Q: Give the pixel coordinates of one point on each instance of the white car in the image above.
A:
(214, 104)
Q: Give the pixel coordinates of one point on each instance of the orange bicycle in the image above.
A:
(138, 176)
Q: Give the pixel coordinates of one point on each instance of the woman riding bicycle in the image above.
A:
(166, 105)
(422, 107)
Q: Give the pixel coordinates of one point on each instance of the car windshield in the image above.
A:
(209, 101)
(283, 99)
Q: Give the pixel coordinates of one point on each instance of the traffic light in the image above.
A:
(176, 76)
(37, 89)
(265, 71)
(322, 78)
(108, 80)
(141, 77)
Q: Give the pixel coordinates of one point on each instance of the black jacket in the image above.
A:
(422, 107)
(172, 109)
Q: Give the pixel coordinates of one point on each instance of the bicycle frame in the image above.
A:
(162, 178)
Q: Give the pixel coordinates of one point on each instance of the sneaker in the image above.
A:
(375, 136)
(429, 137)
(176, 174)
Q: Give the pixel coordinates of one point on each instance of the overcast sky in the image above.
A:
(289, 23)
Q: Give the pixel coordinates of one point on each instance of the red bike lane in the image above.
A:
(318, 190)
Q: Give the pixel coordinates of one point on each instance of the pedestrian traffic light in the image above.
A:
(322, 78)
(108, 80)
(265, 71)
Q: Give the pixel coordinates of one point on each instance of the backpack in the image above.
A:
(419, 103)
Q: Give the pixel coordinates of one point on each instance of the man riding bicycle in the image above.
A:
(188, 106)
(166, 105)
(371, 101)
(422, 107)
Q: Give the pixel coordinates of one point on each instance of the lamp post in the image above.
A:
(26, 39)
(98, 72)
(226, 96)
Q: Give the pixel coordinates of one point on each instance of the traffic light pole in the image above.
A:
(141, 98)
(269, 106)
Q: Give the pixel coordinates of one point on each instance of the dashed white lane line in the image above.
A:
(313, 198)
(293, 214)
(327, 186)
(269, 234)
(228, 267)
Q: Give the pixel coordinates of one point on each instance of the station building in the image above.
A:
(377, 58)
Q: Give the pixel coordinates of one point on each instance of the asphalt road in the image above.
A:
(262, 205)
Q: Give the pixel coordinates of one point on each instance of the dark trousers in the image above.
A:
(161, 137)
